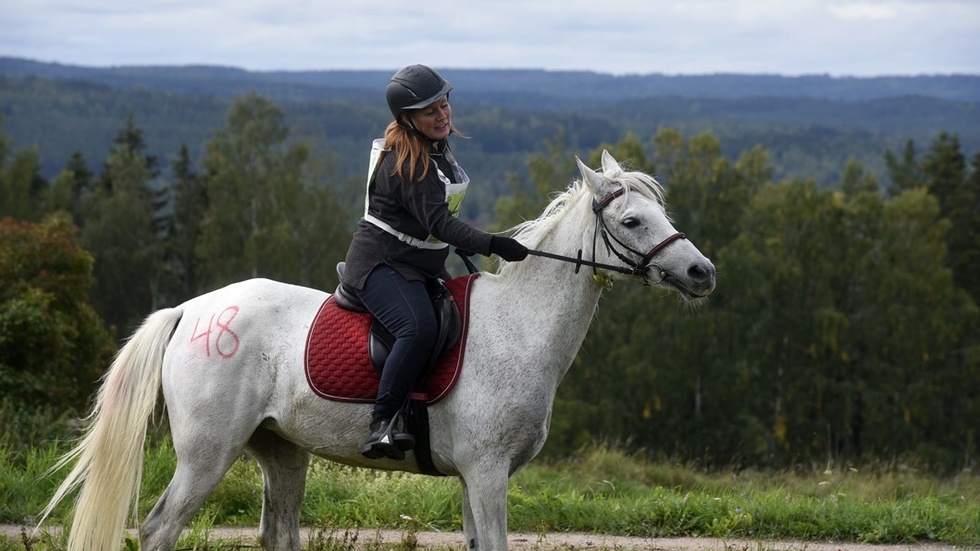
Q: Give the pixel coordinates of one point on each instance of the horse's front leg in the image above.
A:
(469, 530)
(485, 506)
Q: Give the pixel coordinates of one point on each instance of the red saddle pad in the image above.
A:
(337, 363)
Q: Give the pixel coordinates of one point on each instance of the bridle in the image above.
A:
(639, 268)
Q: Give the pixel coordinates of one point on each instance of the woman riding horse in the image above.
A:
(398, 252)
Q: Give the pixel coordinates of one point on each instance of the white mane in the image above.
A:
(532, 232)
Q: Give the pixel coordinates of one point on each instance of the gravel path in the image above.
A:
(566, 541)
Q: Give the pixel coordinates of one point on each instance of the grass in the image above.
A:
(607, 492)
(601, 491)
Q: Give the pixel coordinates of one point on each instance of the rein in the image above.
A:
(578, 261)
(634, 268)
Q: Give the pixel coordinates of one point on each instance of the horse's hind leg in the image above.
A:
(193, 481)
(284, 467)
(205, 451)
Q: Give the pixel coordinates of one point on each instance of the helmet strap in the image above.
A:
(405, 121)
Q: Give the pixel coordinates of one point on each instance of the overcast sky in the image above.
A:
(790, 37)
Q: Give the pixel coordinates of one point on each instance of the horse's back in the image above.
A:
(261, 291)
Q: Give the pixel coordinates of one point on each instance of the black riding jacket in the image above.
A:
(417, 208)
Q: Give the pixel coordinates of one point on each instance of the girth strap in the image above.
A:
(417, 423)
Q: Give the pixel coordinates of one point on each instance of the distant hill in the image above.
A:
(541, 88)
(811, 125)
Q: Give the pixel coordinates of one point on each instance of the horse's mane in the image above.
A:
(532, 232)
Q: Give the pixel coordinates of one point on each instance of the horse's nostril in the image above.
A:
(700, 272)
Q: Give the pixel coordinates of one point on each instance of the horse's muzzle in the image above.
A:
(698, 281)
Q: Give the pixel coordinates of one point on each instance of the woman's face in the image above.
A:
(434, 119)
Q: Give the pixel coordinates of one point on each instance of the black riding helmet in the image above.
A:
(414, 87)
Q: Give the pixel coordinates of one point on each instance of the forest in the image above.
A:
(810, 125)
(845, 327)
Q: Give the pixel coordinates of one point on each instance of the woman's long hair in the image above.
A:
(411, 148)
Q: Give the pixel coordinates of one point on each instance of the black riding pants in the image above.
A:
(405, 309)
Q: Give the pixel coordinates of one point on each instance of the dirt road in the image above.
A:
(566, 542)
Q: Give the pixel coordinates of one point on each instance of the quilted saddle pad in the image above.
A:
(337, 364)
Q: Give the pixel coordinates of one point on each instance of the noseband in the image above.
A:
(641, 268)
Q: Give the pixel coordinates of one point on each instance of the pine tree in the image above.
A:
(905, 174)
(82, 179)
(119, 230)
(22, 187)
(189, 206)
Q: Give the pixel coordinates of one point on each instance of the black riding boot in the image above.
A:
(386, 440)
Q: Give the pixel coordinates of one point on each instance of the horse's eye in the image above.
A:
(631, 222)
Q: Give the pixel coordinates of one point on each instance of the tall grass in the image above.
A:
(609, 492)
(602, 490)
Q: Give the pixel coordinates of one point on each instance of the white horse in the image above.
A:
(230, 364)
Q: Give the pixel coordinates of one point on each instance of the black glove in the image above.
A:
(509, 249)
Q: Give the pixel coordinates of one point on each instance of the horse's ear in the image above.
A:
(609, 165)
(596, 182)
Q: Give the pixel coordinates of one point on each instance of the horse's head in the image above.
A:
(633, 230)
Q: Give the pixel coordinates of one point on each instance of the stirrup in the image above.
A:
(385, 440)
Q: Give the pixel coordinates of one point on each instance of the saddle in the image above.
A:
(380, 340)
(337, 369)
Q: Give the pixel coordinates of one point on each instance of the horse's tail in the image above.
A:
(110, 454)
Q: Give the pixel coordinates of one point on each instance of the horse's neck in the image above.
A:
(548, 305)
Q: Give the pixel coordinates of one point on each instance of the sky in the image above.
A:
(788, 37)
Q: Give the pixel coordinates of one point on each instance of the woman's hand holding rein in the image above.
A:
(509, 249)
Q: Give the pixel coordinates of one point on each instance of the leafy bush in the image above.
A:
(53, 346)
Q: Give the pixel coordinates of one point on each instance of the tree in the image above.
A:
(653, 375)
(53, 346)
(119, 231)
(628, 152)
(190, 203)
(263, 219)
(706, 192)
(325, 231)
(836, 332)
(905, 174)
(846, 311)
(944, 172)
(923, 321)
(130, 138)
(69, 189)
(549, 171)
(21, 184)
(967, 226)
(945, 169)
(856, 180)
(82, 180)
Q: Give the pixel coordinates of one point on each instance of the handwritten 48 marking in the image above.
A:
(226, 342)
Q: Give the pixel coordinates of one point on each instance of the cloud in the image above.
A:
(862, 11)
(860, 37)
